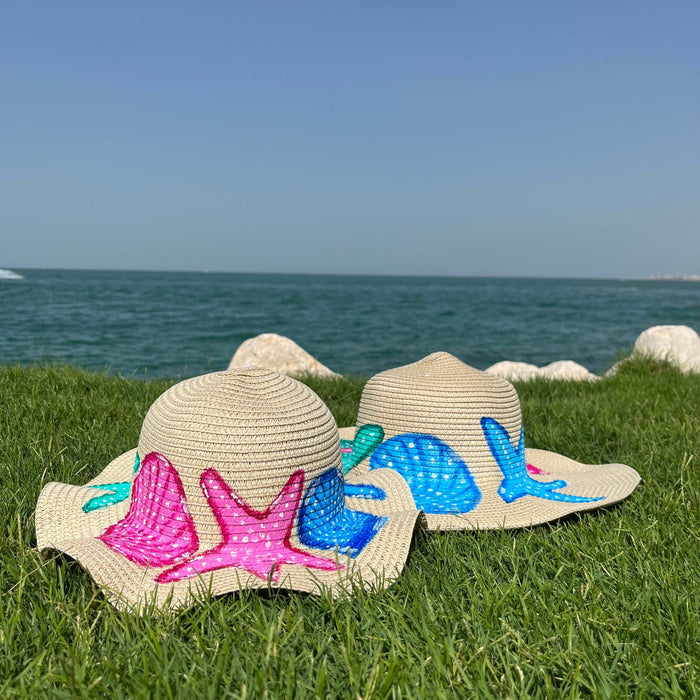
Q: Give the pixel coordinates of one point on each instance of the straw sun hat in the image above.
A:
(236, 483)
(455, 434)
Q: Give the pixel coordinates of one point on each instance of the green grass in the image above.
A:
(605, 605)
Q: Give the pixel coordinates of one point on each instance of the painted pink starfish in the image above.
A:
(532, 469)
(257, 541)
(158, 530)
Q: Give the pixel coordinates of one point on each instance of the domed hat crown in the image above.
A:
(455, 435)
(254, 427)
(440, 395)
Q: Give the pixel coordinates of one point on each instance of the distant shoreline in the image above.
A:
(676, 278)
(690, 277)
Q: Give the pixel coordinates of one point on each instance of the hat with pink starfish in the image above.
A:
(236, 483)
(455, 435)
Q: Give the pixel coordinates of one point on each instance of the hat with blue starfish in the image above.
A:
(236, 483)
(455, 435)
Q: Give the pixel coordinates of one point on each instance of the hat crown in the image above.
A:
(253, 426)
(441, 396)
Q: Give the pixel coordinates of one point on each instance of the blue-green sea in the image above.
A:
(179, 324)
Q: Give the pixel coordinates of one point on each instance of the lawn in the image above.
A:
(606, 604)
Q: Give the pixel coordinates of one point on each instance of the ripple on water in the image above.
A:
(361, 325)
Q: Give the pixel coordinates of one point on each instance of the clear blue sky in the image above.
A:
(460, 138)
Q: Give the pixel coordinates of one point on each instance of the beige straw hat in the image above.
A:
(236, 483)
(455, 435)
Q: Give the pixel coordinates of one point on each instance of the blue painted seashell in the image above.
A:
(439, 480)
(326, 523)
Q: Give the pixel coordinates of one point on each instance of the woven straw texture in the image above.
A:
(442, 397)
(250, 433)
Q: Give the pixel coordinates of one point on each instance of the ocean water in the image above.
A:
(180, 324)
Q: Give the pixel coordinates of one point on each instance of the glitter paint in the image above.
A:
(516, 480)
(158, 530)
(117, 492)
(439, 480)
(325, 522)
(367, 438)
(256, 541)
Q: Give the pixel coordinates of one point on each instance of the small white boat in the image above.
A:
(10, 275)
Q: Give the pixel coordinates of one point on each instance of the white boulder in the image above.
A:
(523, 372)
(567, 370)
(277, 352)
(514, 371)
(678, 345)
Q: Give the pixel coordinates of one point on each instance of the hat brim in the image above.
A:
(63, 525)
(607, 483)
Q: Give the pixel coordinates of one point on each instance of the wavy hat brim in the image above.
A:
(63, 525)
(609, 483)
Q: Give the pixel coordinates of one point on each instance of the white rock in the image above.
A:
(514, 371)
(568, 370)
(523, 372)
(679, 345)
(277, 352)
(613, 370)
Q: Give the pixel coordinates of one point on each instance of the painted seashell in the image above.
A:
(439, 480)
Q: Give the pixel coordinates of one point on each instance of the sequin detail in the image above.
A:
(257, 541)
(367, 438)
(516, 480)
(439, 480)
(532, 469)
(117, 492)
(368, 491)
(325, 522)
(158, 530)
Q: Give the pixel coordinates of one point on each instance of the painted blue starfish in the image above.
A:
(118, 492)
(511, 460)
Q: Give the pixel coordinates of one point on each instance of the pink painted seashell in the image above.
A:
(158, 530)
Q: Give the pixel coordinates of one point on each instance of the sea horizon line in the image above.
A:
(659, 277)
